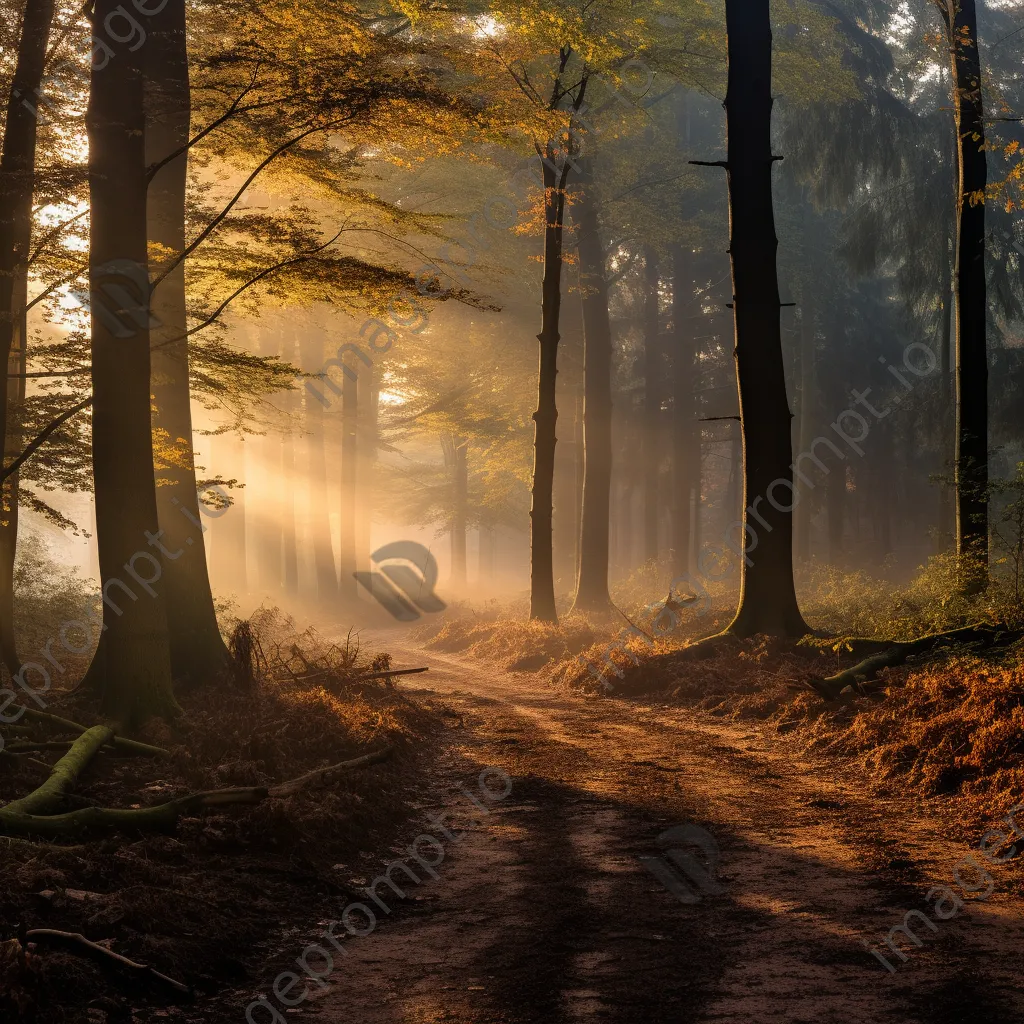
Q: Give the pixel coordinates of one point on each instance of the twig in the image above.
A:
(360, 679)
(76, 938)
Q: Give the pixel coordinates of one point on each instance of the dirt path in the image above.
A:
(544, 912)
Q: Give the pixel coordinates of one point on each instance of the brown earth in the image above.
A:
(543, 911)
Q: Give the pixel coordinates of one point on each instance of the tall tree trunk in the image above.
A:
(835, 501)
(320, 519)
(17, 182)
(456, 456)
(369, 409)
(971, 376)
(592, 585)
(767, 594)
(485, 555)
(652, 403)
(17, 366)
(266, 496)
(349, 457)
(942, 431)
(542, 569)
(133, 660)
(683, 412)
(287, 484)
(808, 406)
(198, 651)
(227, 554)
(578, 471)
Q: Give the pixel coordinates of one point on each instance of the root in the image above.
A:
(132, 746)
(362, 679)
(854, 678)
(165, 816)
(63, 775)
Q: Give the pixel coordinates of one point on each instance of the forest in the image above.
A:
(511, 513)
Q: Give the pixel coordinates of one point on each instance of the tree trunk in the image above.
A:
(369, 408)
(198, 651)
(17, 364)
(133, 660)
(17, 182)
(320, 519)
(767, 594)
(267, 499)
(288, 487)
(808, 407)
(460, 485)
(835, 500)
(485, 554)
(942, 431)
(227, 557)
(683, 413)
(592, 585)
(349, 457)
(652, 403)
(971, 377)
(542, 571)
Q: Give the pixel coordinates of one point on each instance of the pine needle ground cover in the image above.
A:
(206, 901)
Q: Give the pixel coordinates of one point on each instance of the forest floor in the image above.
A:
(519, 823)
(543, 911)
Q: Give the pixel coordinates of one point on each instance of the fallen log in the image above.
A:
(166, 815)
(64, 773)
(361, 679)
(854, 678)
(95, 949)
(133, 746)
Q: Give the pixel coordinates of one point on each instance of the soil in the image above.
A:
(544, 911)
(546, 906)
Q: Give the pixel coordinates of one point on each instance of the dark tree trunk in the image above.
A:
(652, 403)
(349, 480)
(942, 424)
(767, 594)
(579, 466)
(592, 585)
(17, 181)
(198, 651)
(808, 407)
(319, 511)
(971, 377)
(542, 570)
(683, 413)
(133, 661)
